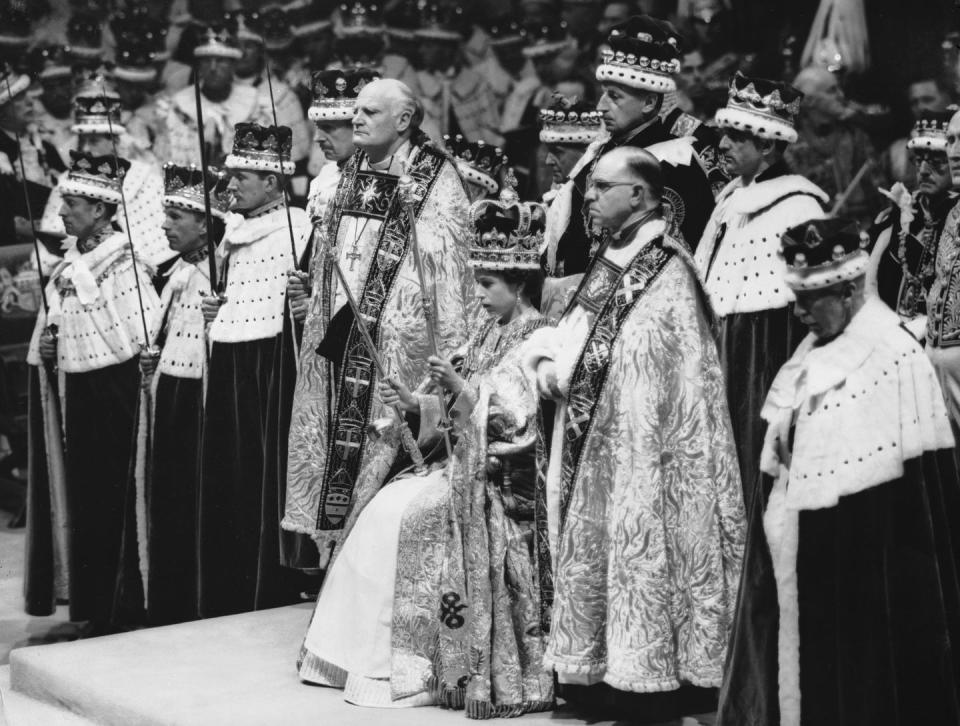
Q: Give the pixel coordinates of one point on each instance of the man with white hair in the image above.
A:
(334, 465)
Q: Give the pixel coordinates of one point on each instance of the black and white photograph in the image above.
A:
(401, 362)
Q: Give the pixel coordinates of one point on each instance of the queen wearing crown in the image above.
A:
(440, 593)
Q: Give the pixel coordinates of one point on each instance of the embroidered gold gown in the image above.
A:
(437, 595)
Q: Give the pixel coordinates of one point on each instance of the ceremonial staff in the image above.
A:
(33, 224)
(406, 189)
(406, 436)
(211, 247)
(147, 347)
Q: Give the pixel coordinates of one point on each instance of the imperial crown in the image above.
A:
(643, 53)
(94, 177)
(507, 233)
(183, 187)
(335, 93)
(477, 161)
(261, 148)
(569, 123)
(766, 109)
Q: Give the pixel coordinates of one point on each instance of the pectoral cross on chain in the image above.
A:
(353, 255)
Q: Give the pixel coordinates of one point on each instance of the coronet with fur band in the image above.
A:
(183, 188)
(218, 43)
(504, 32)
(644, 53)
(15, 33)
(309, 17)
(762, 108)
(261, 148)
(141, 44)
(929, 132)
(507, 234)
(442, 21)
(360, 18)
(96, 107)
(477, 161)
(569, 123)
(823, 252)
(335, 93)
(94, 177)
(547, 40)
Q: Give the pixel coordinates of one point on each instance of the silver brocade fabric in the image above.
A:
(402, 342)
(648, 562)
(466, 615)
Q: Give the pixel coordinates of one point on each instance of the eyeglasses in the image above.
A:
(603, 185)
(937, 163)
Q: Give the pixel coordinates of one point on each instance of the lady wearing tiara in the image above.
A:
(438, 595)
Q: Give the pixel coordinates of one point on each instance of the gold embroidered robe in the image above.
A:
(647, 557)
(400, 335)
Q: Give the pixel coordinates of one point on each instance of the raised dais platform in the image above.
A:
(238, 670)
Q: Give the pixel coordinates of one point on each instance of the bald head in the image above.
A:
(626, 184)
(387, 113)
(816, 79)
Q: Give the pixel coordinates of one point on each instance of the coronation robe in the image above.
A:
(239, 507)
(849, 607)
(334, 467)
(440, 593)
(739, 261)
(687, 152)
(644, 499)
(171, 461)
(94, 302)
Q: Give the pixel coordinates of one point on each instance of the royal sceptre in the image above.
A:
(407, 192)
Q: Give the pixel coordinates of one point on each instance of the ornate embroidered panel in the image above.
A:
(369, 194)
(611, 293)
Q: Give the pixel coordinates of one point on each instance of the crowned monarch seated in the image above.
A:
(440, 592)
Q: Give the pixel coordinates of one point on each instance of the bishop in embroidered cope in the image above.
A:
(334, 467)
(643, 488)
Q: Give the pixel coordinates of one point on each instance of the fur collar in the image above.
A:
(761, 195)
